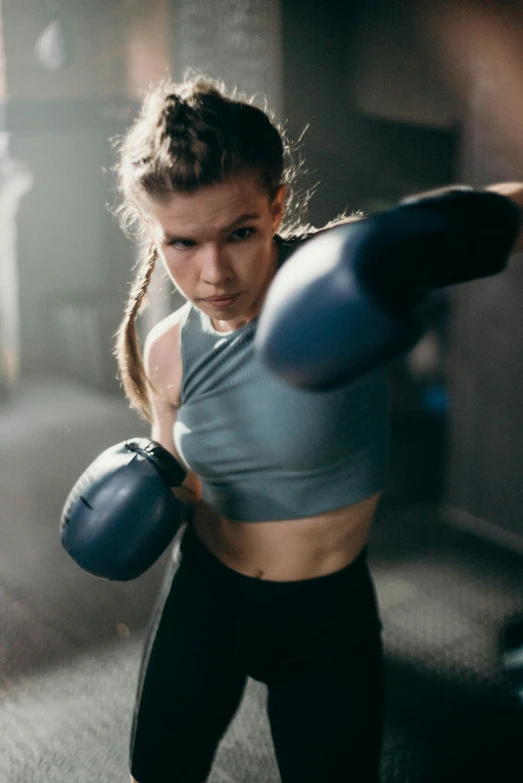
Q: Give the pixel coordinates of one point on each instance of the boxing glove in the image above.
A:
(122, 514)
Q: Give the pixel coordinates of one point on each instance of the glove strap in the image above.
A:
(162, 459)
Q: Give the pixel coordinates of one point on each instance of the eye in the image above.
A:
(241, 234)
(181, 244)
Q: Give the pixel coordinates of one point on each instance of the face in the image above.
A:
(217, 246)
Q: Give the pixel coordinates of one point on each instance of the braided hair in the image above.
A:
(187, 136)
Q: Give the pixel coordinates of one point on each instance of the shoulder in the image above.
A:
(165, 335)
(292, 239)
(162, 353)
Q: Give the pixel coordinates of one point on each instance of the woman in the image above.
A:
(271, 578)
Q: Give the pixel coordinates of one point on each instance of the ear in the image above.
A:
(278, 208)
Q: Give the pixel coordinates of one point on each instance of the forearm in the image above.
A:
(513, 191)
(194, 504)
(189, 492)
(448, 236)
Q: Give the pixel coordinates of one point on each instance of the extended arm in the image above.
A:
(449, 236)
(344, 303)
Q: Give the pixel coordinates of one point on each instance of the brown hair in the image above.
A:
(187, 135)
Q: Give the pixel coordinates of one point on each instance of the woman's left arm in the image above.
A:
(513, 191)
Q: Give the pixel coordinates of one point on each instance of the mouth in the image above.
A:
(222, 302)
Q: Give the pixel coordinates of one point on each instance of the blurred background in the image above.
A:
(386, 99)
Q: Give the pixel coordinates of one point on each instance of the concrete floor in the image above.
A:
(70, 644)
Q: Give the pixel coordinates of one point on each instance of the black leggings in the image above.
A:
(316, 644)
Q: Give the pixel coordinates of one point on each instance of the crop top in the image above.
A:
(265, 450)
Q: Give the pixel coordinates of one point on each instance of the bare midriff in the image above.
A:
(289, 550)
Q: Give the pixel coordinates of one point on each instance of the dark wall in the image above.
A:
(485, 488)
(316, 54)
(486, 458)
(362, 154)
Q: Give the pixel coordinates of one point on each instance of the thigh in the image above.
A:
(190, 684)
(326, 702)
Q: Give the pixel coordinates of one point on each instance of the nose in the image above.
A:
(214, 266)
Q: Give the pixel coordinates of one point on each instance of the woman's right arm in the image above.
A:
(163, 367)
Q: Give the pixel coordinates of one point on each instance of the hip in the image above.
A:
(228, 596)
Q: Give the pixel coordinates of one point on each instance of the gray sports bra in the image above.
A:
(264, 450)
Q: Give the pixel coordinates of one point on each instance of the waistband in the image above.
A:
(255, 589)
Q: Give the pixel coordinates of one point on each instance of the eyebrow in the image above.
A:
(245, 218)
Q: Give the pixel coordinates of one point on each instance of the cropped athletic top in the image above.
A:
(267, 451)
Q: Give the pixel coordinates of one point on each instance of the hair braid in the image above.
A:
(132, 372)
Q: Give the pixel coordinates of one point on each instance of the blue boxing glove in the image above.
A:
(345, 302)
(122, 514)
(320, 325)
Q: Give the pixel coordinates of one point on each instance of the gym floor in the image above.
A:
(70, 645)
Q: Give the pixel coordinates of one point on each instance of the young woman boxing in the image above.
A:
(282, 482)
